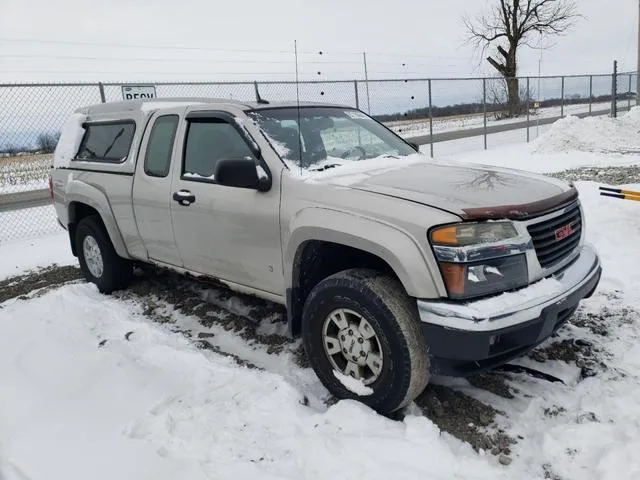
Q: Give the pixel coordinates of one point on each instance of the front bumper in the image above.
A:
(469, 338)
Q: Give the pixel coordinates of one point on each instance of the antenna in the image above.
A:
(295, 50)
(259, 99)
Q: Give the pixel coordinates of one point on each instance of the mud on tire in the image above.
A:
(392, 315)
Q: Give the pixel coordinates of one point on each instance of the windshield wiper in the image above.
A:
(106, 152)
(325, 167)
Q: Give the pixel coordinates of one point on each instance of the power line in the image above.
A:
(101, 72)
(192, 60)
(185, 47)
(139, 59)
(124, 45)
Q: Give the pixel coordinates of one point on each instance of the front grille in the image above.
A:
(554, 239)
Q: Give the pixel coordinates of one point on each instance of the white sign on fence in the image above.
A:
(132, 92)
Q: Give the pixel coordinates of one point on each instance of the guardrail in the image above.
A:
(20, 200)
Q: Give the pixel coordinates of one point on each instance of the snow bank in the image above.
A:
(70, 139)
(82, 398)
(592, 134)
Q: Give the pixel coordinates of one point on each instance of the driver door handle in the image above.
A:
(184, 197)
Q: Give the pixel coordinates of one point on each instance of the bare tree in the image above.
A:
(498, 96)
(47, 142)
(513, 23)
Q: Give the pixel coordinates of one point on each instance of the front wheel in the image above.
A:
(362, 335)
(99, 261)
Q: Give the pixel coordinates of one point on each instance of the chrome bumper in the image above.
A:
(518, 307)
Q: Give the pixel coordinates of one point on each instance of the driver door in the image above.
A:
(230, 233)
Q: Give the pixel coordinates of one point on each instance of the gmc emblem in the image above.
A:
(563, 232)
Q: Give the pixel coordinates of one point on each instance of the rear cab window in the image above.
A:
(157, 159)
(106, 141)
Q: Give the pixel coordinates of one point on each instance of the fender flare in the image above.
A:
(396, 247)
(80, 192)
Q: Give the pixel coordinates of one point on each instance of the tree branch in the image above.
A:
(499, 67)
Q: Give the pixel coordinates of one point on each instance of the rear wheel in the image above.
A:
(99, 261)
(362, 334)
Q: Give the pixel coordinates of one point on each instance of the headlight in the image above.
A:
(464, 234)
(478, 259)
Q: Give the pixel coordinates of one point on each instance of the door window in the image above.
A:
(209, 141)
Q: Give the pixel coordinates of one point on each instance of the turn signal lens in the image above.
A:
(445, 236)
(454, 277)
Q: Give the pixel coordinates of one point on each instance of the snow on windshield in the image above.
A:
(318, 139)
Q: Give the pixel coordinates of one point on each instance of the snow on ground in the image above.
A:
(593, 134)
(155, 407)
(20, 256)
(568, 143)
(417, 128)
(28, 223)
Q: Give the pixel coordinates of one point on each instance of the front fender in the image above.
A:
(81, 192)
(396, 247)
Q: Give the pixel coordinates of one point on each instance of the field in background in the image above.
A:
(418, 127)
(24, 172)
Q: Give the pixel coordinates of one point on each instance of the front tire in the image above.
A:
(362, 324)
(99, 261)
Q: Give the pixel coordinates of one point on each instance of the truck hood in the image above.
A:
(473, 192)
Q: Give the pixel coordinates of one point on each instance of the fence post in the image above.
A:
(102, 97)
(484, 109)
(629, 95)
(614, 90)
(528, 100)
(562, 99)
(590, 93)
(355, 86)
(430, 121)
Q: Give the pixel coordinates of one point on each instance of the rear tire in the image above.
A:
(99, 261)
(363, 324)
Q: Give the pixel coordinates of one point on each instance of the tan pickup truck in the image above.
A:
(392, 266)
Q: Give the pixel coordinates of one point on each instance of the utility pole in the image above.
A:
(614, 90)
(366, 79)
(638, 66)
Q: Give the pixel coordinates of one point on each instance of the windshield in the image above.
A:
(319, 138)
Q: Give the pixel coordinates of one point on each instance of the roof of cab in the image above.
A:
(169, 102)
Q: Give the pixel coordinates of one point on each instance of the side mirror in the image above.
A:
(415, 146)
(242, 173)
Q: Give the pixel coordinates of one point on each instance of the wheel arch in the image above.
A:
(85, 200)
(314, 253)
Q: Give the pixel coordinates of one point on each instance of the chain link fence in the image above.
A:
(435, 113)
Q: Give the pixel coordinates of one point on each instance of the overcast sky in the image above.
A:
(132, 40)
